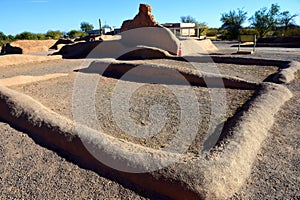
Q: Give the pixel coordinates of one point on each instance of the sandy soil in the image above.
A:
(40, 68)
(8, 60)
(252, 73)
(32, 46)
(20, 80)
(57, 95)
(29, 171)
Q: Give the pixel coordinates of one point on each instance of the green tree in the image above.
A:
(287, 19)
(41, 36)
(202, 28)
(5, 38)
(232, 22)
(265, 20)
(85, 26)
(211, 32)
(76, 34)
(55, 35)
(2, 36)
(188, 19)
(26, 36)
(10, 37)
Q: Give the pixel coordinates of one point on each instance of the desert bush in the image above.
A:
(224, 35)
(41, 36)
(76, 34)
(293, 32)
(85, 26)
(4, 39)
(54, 35)
(3, 42)
(211, 32)
(10, 38)
(248, 31)
(203, 28)
(2, 36)
(26, 36)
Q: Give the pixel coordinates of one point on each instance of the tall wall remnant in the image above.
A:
(143, 19)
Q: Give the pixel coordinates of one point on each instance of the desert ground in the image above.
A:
(275, 173)
(31, 170)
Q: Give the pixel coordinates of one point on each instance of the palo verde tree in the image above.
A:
(265, 20)
(85, 26)
(232, 22)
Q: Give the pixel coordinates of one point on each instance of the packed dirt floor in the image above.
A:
(30, 171)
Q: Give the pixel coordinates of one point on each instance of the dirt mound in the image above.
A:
(20, 80)
(21, 59)
(77, 50)
(33, 46)
(133, 39)
(8, 49)
(208, 45)
(195, 47)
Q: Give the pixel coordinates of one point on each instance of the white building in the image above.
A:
(182, 29)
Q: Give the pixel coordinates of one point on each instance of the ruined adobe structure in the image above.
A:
(143, 19)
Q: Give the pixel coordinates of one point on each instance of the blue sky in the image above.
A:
(39, 16)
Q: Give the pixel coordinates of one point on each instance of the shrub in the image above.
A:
(211, 32)
(41, 36)
(26, 36)
(54, 35)
(293, 32)
(248, 31)
(76, 34)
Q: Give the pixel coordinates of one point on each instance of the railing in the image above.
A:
(247, 38)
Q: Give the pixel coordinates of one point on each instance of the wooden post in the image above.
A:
(254, 46)
(239, 43)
